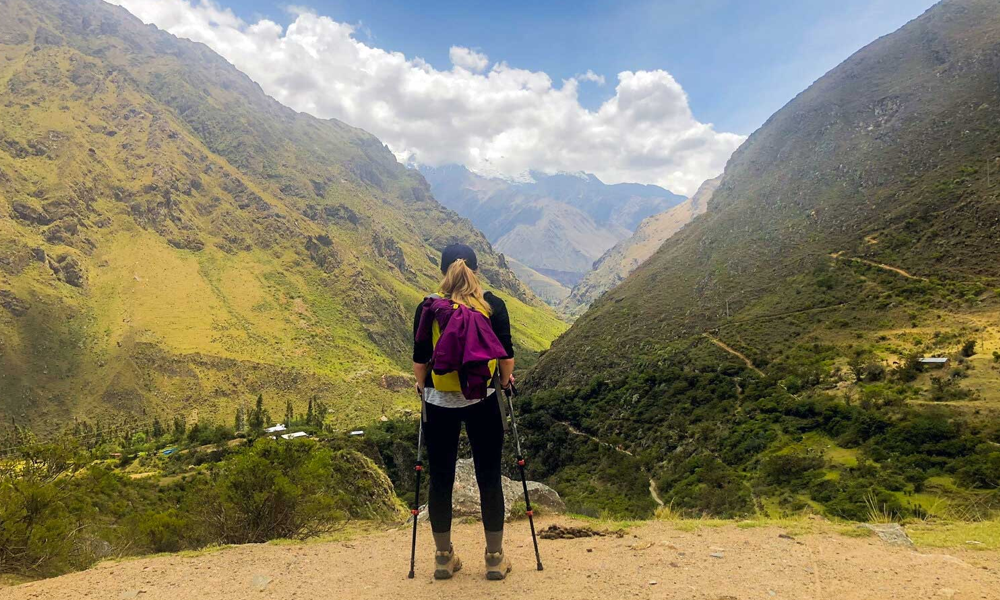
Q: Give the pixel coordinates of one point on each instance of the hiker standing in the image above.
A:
(462, 351)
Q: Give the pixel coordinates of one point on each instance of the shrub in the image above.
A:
(790, 470)
(36, 531)
(292, 489)
(969, 348)
(706, 484)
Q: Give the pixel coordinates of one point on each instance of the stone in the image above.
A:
(717, 555)
(13, 304)
(260, 582)
(29, 213)
(465, 494)
(890, 533)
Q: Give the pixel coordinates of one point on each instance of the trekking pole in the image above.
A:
(510, 393)
(415, 511)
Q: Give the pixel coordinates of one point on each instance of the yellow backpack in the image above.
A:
(449, 382)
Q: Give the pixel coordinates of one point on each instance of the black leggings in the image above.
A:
(485, 430)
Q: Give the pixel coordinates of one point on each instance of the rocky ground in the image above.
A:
(651, 560)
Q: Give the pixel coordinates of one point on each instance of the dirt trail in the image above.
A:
(897, 270)
(652, 484)
(735, 353)
(653, 561)
(576, 431)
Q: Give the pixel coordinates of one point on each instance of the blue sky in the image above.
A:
(631, 91)
(738, 60)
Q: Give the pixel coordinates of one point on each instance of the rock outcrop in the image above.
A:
(465, 495)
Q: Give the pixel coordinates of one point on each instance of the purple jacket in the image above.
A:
(467, 344)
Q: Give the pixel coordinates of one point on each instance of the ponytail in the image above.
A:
(461, 285)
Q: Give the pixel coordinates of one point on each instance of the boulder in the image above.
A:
(890, 533)
(30, 214)
(465, 495)
(12, 303)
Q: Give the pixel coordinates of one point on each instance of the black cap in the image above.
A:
(455, 252)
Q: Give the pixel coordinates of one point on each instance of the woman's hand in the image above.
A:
(420, 389)
(510, 382)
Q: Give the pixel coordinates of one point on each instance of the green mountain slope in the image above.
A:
(855, 231)
(172, 240)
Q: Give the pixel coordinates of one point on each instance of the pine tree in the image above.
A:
(179, 426)
(289, 414)
(309, 411)
(157, 428)
(259, 416)
(240, 423)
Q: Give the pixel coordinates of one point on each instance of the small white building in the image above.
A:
(276, 429)
(358, 432)
(933, 361)
(295, 436)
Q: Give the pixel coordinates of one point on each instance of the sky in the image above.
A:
(643, 91)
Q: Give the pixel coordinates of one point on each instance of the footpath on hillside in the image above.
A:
(653, 560)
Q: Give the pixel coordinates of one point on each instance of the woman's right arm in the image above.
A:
(422, 352)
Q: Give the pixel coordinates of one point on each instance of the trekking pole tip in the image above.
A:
(410, 576)
(540, 566)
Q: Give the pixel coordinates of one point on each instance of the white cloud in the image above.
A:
(468, 59)
(504, 119)
(591, 76)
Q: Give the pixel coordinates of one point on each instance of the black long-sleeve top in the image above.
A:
(499, 320)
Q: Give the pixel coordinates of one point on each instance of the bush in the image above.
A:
(705, 484)
(36, 530)
(164, 531)
(790, 470)
(292, 489)
(969, 348)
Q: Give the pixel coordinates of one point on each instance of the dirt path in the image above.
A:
(576, 431)
(654, 560)
(652, 484)
(735, 353)
(652, 492)
(897, 270)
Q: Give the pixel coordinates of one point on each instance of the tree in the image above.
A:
(309, 411)
(319, 414)
(259, 417)
(157, 428)
(969, 348)
(179, 426)
(240, 422)
(289, 413)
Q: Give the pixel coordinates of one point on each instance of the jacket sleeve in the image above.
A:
(500, 320)
(422, 351)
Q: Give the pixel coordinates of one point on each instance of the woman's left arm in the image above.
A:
(500, 321)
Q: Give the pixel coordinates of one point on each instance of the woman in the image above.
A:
(447, 408)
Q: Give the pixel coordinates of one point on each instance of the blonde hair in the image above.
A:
(461, 285)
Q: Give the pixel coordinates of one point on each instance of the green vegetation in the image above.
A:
(171, 239)
(63, 506)
(851, 236)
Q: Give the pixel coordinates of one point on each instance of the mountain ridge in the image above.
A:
(777, 333)
(557, 224)
(174, 239)
(625, 256)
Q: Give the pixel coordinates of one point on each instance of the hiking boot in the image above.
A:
(446, 564)
(497, 565)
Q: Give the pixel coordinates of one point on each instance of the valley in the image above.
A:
(174, 242)
(786, 385)
(553, 226)
(848, 239)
